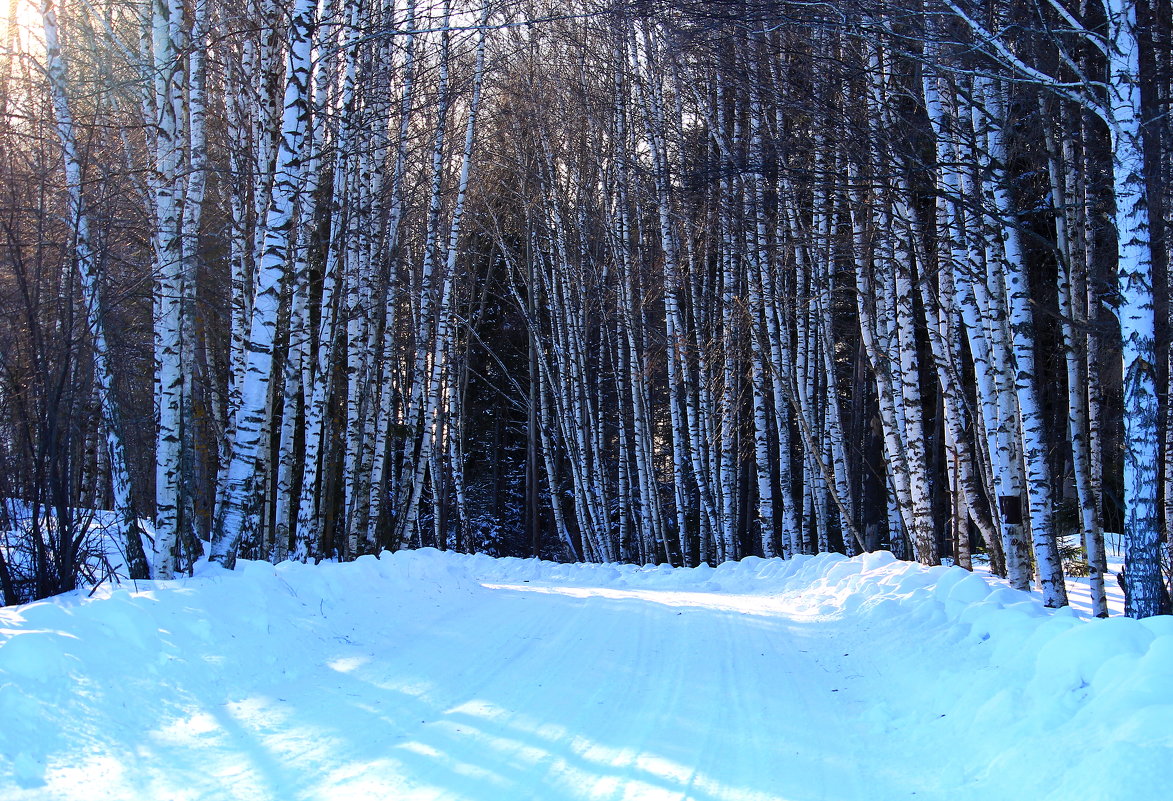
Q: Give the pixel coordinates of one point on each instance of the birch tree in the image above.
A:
(89, 271)
(240, 476)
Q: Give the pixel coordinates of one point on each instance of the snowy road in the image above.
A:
(430, 676)
(646, 695)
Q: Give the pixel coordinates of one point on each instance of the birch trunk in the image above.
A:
(1142, 534)
(419, 407)
(945, 321)
(168, 113)
(381, 456)
(1077, 430)
(89, 272)
(1033, 437)
(241, 474)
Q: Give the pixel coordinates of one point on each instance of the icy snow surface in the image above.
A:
(424, 675)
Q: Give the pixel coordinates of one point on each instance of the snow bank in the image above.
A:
(997, 694)
(1043, 703)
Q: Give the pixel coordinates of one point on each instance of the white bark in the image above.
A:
(1142, 533)
(945, 319)
(1021, 323)
(240, 476)
(167, 184)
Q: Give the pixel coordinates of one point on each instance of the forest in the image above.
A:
(597, 280)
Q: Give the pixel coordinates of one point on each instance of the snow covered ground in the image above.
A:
(423, 675)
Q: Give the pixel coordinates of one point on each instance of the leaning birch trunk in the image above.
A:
(537, 406)
(446, 331)
(653, 538)
(694, 404)
(320, 363)
(89, 272)
(1077, 428)
(945, 323)
(298, 372)
(445, 319)
(651, 527)
(253, 116)
(381, 464)
(901, 227)
(1030, 417)
(815, 271)
(881, 323)
(868, 313)
(777, 324)
(678, 381)
(240, 475)
(674, 332)
(563, 285)
(414, 463)
(984, 327)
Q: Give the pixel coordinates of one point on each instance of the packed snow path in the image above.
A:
(435, 676)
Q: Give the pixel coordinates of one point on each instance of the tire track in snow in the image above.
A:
(707, 718)
(657, 666)
(579, 726)
(444, 672)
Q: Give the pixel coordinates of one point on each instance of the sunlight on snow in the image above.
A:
(189, 730)
(346, 664)
(581, 767)
(93, 768)
(766, 605)
(241, 744)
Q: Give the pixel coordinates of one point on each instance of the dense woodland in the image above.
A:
(643, 281)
